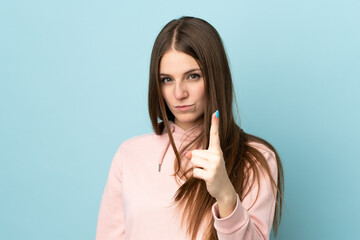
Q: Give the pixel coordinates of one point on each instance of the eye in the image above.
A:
(165, 80)
(194, 76)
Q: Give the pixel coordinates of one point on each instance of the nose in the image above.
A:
(180, 91)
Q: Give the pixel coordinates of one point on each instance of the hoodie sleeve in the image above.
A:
(111, 223)
(250, 223)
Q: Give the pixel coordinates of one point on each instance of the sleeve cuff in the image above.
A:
(237, 219)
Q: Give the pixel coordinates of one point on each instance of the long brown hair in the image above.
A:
(200, 40)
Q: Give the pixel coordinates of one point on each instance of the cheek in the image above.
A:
(200, 93)
(165, 94)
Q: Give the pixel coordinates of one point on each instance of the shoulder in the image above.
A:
(139, 148)
(143, 142)
(263, 149)
(269, 155)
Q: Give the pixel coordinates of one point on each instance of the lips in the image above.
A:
(183, 107)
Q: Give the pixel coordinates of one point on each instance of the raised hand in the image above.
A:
(209, 165)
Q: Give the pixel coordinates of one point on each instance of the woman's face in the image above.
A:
(182, 87)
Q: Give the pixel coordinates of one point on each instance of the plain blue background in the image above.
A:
(73, 86)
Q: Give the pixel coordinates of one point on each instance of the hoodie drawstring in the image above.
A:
(165, 149)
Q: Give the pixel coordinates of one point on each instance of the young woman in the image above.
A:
(216, 181)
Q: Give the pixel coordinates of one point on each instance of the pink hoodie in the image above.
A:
(137, 202)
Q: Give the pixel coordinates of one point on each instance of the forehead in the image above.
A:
(176, 62)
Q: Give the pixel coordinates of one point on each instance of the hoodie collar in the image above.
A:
(179, 134)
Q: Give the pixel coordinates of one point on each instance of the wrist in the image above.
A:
(227, 204)
(228, 198)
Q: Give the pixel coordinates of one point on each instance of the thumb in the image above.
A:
(188, 155)
(214, 143)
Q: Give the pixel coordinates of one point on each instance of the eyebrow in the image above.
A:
(192, 70)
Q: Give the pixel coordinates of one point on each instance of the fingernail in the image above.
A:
(185, 152)
(217, 113)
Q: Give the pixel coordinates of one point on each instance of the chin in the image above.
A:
(188, 120)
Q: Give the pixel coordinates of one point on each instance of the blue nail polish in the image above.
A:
(217, 113)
